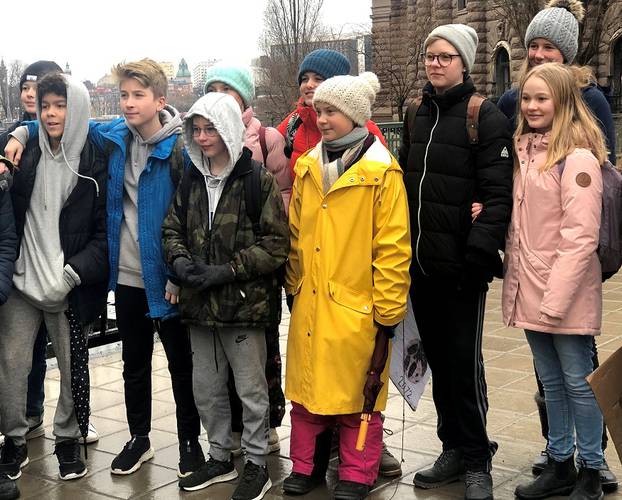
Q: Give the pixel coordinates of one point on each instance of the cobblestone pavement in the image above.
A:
(512, 422)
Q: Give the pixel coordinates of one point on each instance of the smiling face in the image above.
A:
(308, 83)
(542, 51)
(443, 78)
(28, 96)
(537, 106)
(141, 107)
(53, 113)
(333, 124)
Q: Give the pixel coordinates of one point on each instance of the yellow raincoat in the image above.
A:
(348, 267)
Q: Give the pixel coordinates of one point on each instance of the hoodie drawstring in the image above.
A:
(62, 148)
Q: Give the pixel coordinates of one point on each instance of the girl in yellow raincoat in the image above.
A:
(348, 279)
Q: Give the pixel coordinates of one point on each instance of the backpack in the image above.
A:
(290, 131)
(472, 118)
(610, 233)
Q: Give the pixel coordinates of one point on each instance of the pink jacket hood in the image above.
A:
(552, 279)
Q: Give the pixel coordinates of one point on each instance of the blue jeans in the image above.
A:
(563, 362)
(36, 392)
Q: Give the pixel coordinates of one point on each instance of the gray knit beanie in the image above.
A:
(352, 95)
(462, 37)
(558, 22)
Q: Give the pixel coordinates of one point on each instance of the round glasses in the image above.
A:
(443, 59)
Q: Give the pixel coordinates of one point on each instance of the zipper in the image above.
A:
(425, 168)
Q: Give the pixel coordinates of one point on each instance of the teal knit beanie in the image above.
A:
(237, 77)
(324, 62)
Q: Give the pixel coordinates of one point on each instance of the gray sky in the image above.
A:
(94, 35)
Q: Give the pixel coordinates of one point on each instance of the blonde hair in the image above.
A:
(584, 74)
(147, 72)
(573, 125)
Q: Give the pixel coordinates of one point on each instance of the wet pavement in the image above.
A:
(512, 422)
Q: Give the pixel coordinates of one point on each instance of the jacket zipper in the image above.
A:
(425, 169)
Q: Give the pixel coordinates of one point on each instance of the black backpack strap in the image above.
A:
(252, 195)
(413, 107)
(263, 144)
(290, 131)
(184, 188)
(177, 161)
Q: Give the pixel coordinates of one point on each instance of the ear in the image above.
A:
(161, 103)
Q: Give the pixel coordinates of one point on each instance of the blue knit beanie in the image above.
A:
(237, 77)
(324, 62)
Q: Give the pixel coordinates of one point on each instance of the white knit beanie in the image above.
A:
(462, 37)
(352, 95)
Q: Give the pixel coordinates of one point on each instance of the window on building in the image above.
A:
(502, 71)
(461, 4)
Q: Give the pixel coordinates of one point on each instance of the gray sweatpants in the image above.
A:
(245, 350)
(19, 324)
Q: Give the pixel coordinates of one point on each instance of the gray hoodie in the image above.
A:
(40, 273)
(130, 268)
(224, 113)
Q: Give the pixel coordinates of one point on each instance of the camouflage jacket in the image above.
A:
(246, 301)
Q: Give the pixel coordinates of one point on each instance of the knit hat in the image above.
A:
(462, 37)
(558, 22)
(325, 62)
(237, 77)
(352, 95)
(37, 70)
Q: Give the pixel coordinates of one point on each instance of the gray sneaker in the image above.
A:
(478, 486)
(447, 468)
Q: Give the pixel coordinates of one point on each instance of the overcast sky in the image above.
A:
(93, 35)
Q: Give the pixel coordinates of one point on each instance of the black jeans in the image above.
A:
(136, 330)
(450, 323)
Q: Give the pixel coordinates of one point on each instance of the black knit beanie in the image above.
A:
(37, 70)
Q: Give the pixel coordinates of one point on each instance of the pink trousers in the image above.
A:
(357, 466)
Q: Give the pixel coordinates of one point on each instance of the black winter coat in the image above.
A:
(82, 226)
(8, 246)
(444, 175)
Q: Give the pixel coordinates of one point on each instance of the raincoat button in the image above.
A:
(376, 179)
(366, 308)
(317, 249)
(351, 179)
(324, 205)
(308, 334)
(362, 179)
(314, 291)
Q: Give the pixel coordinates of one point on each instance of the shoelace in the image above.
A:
(476, 478)
(445, 458)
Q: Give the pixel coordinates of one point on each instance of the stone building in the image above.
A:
(400, 26)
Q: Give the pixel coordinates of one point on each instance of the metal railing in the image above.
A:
(392, 132)
(615, 101)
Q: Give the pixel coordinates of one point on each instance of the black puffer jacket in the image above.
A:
(8, 246)
(82, 226)
(444, 175)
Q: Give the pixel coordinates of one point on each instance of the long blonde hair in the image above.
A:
(573, 126)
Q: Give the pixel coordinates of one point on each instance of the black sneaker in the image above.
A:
(254, 484)
(8, 488)
(478, 486)
(447, 468)
(13, 458)
(350, 490)
(300, 484)
(136, 451)
(191, 457)
(70, 465)
(211, 472)
(608, 479)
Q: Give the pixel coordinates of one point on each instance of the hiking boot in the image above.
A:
(211, 472)
(274, 444)
(389, 465)
(13, 458)
(236, 448)
(70, 465)
(8, 488)
(557, 478)
(446, 469)
(135, 452)
(191, 457)
(300, 484)
(478, 485)
(91, 437)
(588, 485)
(608, 479)
(350, 490)
(539, 463)
(254, 484)
(35, 429)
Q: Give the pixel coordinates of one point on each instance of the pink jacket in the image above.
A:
(552, 279)
(276, 162)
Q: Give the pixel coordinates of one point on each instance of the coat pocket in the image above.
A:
(352, 299)
(542, 269)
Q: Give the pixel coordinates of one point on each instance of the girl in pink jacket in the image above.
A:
(552, 284)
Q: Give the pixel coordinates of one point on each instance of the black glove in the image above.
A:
(204, 276)
(183, 269)
(289, 299)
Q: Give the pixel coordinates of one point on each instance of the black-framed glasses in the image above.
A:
(444, 59)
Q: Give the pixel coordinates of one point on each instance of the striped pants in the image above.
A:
(450, 323)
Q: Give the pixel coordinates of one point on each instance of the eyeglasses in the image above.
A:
(443, 59)
(208, 131)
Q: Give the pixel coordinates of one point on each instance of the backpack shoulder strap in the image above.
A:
(413, 107)
(472, 119)
(290, 131)
(177, 161)
(184, 187)
(262, 143)
(252, 195)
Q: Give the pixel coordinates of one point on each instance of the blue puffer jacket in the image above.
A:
(155, 193)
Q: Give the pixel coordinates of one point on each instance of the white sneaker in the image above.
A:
(274, 444)
(92, 436)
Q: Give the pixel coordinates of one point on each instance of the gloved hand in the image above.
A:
(183, 268)
(204, 276)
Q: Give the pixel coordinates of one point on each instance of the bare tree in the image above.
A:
(518, 14)
(16, 69)
(290, 28)
(601, 17)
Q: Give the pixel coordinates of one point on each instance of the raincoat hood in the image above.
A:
(224, 113)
